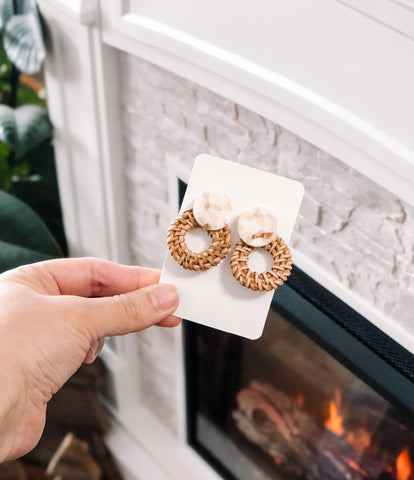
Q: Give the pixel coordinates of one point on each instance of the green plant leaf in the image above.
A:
(5, 175)
(4, 150)
(5, 90)
(5, 63)
(8, 128)
(26, 95)
(23, 38)
(12, 256)
(39, 189)
(6, 12)
(33, 128)
(24, 128)
(5, 170)
(24, 238)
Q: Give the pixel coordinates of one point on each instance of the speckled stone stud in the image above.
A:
(212, 211)
(257, 228)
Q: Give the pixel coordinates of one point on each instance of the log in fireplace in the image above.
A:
(323, 394)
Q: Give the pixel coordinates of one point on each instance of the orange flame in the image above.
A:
(334, 422)
(300, 400)
(403, 465)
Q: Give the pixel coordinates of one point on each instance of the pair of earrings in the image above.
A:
(212, 211)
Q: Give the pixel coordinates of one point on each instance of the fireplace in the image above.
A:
(321, 395)
(137, 90)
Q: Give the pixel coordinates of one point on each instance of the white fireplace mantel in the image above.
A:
(320, 69)
(338, 73)
(344, 80)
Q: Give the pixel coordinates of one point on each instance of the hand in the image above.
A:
(53, 317)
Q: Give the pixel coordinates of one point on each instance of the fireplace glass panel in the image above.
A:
(282, 407)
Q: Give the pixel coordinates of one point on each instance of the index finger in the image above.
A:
(94, 277)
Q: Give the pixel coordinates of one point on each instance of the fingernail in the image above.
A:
(95, 348)
(164, 297)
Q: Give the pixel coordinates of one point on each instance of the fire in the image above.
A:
(334, 422)
(300, 400)
(403, 465)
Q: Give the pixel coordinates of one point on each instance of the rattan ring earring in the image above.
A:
(212, 211)
(257, 228)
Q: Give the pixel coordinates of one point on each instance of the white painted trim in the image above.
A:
(158, 447)
(175, 172)
(323, 122)
(132, 460)
(124, 377)
(81, 76)
(180, 386)
(395, 14)
(111, 151)
(81, 11)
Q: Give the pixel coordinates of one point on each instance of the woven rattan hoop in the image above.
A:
(212, 256)
(282, 265)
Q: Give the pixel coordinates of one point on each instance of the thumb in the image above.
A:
(127, 312)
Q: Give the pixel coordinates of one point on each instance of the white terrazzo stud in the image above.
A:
(257, 227)
(213, 210)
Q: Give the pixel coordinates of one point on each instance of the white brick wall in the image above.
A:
(352, 227)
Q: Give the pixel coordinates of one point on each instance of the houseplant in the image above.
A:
(31, 227)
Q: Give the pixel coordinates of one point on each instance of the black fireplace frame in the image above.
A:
(360, 346)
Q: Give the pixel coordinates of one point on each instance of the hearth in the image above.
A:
(323, 394)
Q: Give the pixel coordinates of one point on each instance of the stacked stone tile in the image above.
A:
(353, 228)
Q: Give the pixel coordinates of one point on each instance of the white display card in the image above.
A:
(214, 297)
